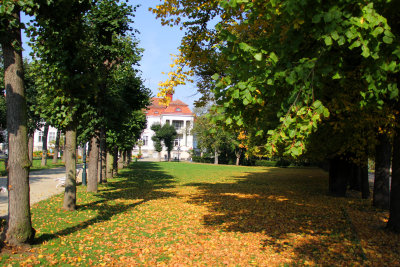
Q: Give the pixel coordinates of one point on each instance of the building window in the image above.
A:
(178, 140)
(178, 109)
(145, 140)
(40, 137)
(155, 112)
(177, 124)
(167, 122)
(52, 136)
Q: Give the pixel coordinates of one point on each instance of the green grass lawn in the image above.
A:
(172, 213)
(36, 165)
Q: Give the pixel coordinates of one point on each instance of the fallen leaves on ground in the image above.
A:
(157, 214)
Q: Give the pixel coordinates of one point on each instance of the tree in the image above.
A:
(156, 140)
(303, 56)
(62, 72)
(167, 134)
(19, 226)
(213, 136)
(44, 145)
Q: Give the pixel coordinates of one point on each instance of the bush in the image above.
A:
(265, 163)
(283, 163)
(202, 159)
(248, 162)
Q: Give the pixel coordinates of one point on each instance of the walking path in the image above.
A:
(43, 184)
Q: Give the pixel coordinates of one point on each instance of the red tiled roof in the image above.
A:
(175, 107)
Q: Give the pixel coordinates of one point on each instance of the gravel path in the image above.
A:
(43, 184)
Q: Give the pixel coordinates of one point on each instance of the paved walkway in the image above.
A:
(43, 184)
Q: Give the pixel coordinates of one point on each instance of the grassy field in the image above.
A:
(36, 165)
(173, 213)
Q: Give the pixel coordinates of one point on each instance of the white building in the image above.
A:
(177, 114)
(38, 139)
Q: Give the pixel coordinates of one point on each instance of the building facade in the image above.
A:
(177, 114)
(38, 139)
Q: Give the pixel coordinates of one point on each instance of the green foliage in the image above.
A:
(156, 139)
(166, 134)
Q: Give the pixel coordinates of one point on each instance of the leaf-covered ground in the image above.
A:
(197, 215)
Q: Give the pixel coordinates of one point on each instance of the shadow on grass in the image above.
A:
(290, 206)
(141, 181)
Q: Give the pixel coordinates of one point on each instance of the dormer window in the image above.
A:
(178, 109)
(155, 112)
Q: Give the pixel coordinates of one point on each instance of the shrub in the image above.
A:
(202, 159)
(265, 163)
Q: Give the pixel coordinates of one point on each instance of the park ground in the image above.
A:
(172, 213)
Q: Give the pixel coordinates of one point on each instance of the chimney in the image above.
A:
(169, 95)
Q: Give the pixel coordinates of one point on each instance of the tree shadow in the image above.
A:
(289, 206)
(140, 183)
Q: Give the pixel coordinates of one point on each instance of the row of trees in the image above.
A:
(82, 80)
(302, 79)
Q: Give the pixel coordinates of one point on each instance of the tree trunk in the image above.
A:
(93, 164)
(383, 151)
(30, 147)
(365, 192)
(63, 154)
(238, 154)
(110, 161)
(115, 161)
(394, 217)
(159, 156)
(120, 161)
(125, 157)
(70, 168)
(339, 172)
(129, 155)
(216, 156)
(44, 146)
(355, 177)
(19, 229)
(84, 172)
(103, 156)
(56, 147)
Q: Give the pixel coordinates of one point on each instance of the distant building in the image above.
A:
(177, 114)
(38, 139)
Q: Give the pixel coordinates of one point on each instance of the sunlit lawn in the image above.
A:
(196, 214)
(36, 165)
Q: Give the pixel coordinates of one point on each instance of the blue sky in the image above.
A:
(159, 43)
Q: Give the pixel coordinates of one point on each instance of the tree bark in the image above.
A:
(394, 211)
(238, 154)
(103, 156)
(30, 147)
(381, 194)
(110, 161)
(70, 168)
(115, 161)
(56, 147)
(63, 154)
(125, 157)
(93, 164)
(339, 172)
(216, 156)
(365, 192)
(44, 145)
(120, 161)
(19, 227)
(129, 155)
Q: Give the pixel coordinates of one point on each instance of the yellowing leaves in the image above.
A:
(178, 76)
